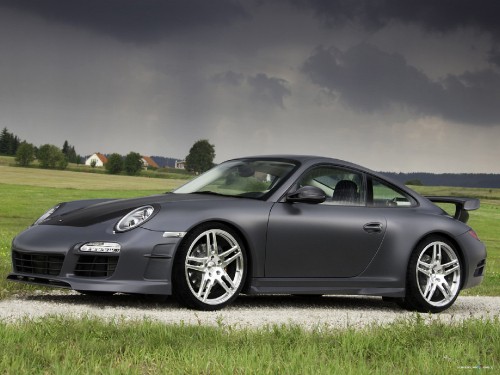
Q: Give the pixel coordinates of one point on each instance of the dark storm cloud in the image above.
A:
(134, 20)
(270, 91)
(229, 78)
(442, 16)
(370, 80)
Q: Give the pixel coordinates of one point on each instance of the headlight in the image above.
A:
(46, 215)
(135, 218)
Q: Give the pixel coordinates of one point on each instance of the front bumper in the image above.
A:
(50, 255)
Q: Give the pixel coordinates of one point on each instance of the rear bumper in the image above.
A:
(474, 255)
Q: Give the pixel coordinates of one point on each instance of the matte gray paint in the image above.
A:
(285, 257)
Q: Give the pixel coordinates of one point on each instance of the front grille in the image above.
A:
(37, 264)
(96, 266)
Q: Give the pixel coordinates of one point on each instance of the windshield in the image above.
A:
(250, 178)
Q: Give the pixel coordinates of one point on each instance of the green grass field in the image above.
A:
(81, 346)
(86, 346)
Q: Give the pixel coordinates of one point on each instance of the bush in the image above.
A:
(133, 163)
(114, 164)
(50, 156)
(25, 154)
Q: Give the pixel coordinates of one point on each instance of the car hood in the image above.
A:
(89, 212)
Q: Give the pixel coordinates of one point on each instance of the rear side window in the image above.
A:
(385, 195)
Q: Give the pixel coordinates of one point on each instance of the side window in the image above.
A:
(341, 186)
(387, 196)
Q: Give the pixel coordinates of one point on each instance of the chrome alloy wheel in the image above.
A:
(438, 274)
(214, 267)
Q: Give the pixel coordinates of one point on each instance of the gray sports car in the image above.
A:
(272, 224)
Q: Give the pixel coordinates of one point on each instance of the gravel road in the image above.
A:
(246, 311)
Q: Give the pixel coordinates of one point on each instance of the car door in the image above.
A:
(337, 238)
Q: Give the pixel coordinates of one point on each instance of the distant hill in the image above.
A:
(479, 180)
(164, 162)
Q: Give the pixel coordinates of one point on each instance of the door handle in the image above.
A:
(373, 227)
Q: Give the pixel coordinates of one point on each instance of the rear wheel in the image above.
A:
(209, 268)
(434, 276)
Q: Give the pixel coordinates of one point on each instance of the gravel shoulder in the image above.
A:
(245, 312)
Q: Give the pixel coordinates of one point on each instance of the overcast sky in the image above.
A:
(393, 85)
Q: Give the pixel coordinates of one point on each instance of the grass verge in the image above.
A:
(81, 346)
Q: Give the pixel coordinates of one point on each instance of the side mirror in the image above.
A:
(307, 194)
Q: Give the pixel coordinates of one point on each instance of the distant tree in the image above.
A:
(93, 163)
(133, 163)
(65, 148)
(8, 143)
(114, 164)
(25, 154)
(4, 141)
(70, 153)
(414, 182)
(50, 156)
(201, 156)
(14, 143)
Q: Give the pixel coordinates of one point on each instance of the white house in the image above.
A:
(180, 164)
(98, 158)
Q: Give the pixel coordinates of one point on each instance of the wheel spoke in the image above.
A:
(429, 290)
(451, 267)
(445, 289)
(224, 285)
(227, 252)
(230, 260)
(195, 263)
(212, 242)
(424, 268)
(205, 287)
(436, 253)
(203, 284)
(195, 267)
(228, 279)
(209, 287)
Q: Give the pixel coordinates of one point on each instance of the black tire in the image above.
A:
(209, 268)
(434, 276)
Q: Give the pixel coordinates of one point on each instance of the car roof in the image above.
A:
(310, 160)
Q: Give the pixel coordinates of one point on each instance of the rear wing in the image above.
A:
(462, 205)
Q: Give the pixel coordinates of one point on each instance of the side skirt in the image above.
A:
(358, 286)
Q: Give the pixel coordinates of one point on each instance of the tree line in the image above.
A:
(48, 156)
(199, 159)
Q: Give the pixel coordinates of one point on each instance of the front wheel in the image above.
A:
(434, 276)
(209, 268)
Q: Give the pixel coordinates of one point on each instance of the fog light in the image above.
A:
(101, 247)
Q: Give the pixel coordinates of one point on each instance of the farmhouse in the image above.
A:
(97, 158)
(148, 162)
(180, 164)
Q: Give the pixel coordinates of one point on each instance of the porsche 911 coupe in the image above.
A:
(261, 225)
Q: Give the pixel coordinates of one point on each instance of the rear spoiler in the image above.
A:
(462, 205)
